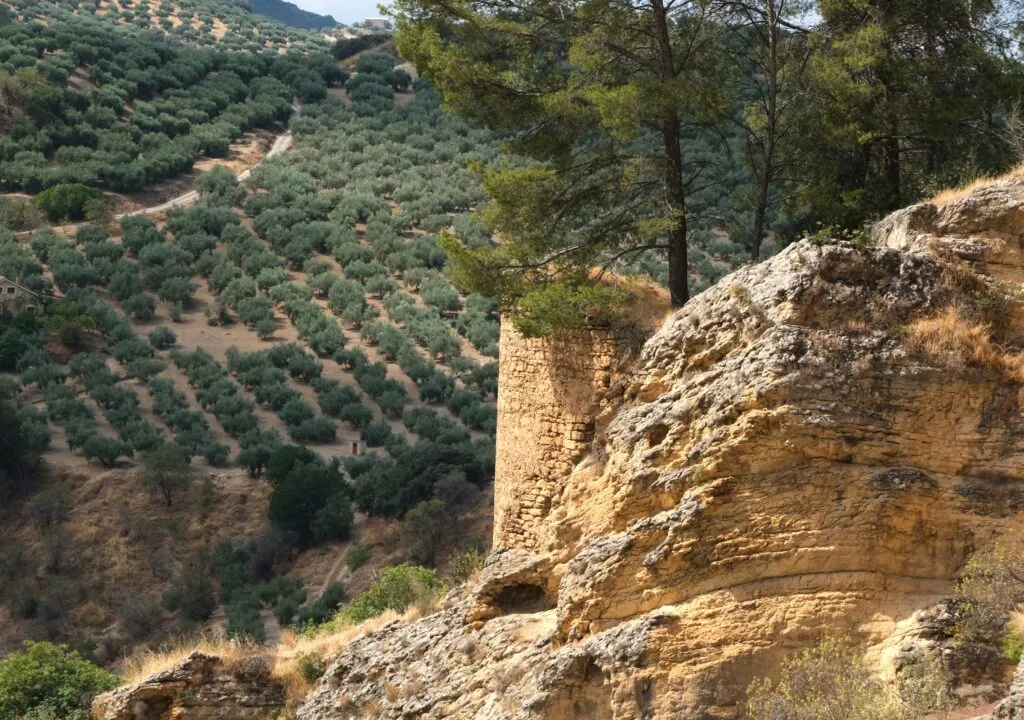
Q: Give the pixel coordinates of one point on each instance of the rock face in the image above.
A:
(1012, 708)
(815, 445)
(199, 687)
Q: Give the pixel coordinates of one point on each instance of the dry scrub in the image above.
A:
(284, 658)
(950, 195)
(954, 342)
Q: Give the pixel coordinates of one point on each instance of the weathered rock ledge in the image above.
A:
(786, 459)
(198, 687)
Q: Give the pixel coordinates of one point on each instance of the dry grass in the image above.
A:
(953, 341)
(293, 646)
(649, 303)
(284, 658)
(949, 195)
(144, 663)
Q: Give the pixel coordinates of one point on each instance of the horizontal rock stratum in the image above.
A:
(814, 445)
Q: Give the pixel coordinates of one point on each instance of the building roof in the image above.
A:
(19, 286)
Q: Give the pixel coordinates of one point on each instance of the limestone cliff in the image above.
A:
(199, 687)
(814, 445)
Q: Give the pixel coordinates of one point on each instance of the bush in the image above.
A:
(66, 201)
(162, 338)
(324, 607)
(358, 556)
(140, 617)
(302, 486)
(193, 597)
(244, 618)
(397, 588)
(833, 682)
(166, 471)
(991, 589)
(311, 666)
(463, 563)
(334, 520)
(50, 676)
(106, 450)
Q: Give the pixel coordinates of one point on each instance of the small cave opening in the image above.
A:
(522, 598)
(656, 434)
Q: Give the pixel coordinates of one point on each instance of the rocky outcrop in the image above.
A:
(1012, 708)
(198, 687)
(814, 445)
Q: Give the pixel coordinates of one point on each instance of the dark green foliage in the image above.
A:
(358, 556)
(105, 449)
(334, 520)
(162, 338)
(324, 607)
(44, 677)
(19, 456)
(192, 593)
(66, 201)
(305, 499)
(244, 618)
(391, 489)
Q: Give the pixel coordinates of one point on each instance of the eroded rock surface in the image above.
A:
(784, 459)
(199, 687)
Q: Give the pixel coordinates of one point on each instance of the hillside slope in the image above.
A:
(290, 14)
(813, 446)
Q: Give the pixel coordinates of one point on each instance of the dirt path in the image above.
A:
(282, 144)
(329, 577)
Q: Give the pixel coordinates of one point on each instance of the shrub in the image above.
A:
(324, 607)
(427, 528)
(334, 520)
(66, 201)
(140, 617)
(462, 563)
(358, 556)
(397, 588)
(832, 682)
(244, 618)
(311, 666)
(162, 338)
(990, 590)
(193, 597)
(166, 470)
(302, 485)
(51, 677)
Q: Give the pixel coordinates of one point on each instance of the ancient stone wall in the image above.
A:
(550, 393)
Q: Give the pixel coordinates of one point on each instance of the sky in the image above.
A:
(344, 11)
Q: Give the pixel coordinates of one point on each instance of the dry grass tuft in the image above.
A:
(144, 663)
(954, 342)
(949, 195)
(293, 647)
(284, 660)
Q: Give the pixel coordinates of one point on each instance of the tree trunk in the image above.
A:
(675, 188)
(891, 152)
(764, 180)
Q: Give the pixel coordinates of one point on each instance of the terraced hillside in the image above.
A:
(305, 307)
(228, 25)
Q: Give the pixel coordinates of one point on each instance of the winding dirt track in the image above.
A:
(282, 144)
